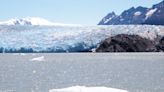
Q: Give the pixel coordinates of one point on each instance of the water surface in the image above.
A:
(135, 72)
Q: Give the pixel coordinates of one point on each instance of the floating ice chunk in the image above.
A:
(34, 71)
(87, 89)
(93, 50)
(15, 54)
(42, 58)
(23, 54)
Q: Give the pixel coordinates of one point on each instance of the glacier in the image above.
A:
(61, 38)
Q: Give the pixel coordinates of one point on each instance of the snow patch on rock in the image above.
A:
(138, 13)
(150, 13)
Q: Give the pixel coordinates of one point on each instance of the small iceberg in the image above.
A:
(87, 89)
(42, 58)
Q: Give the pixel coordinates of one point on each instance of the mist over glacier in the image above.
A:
(44, 38)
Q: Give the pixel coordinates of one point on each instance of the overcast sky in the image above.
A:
(86, 12)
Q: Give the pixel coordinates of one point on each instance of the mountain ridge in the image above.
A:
(138, 15)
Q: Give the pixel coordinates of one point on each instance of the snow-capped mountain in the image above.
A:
(139, 15)
(32, 21)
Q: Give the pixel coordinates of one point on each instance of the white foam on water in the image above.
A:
(87, 89)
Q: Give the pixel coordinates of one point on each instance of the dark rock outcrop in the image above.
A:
(160, 46)
(139, 15)
(127, 43)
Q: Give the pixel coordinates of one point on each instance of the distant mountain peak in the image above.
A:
(27, 21)
(108, 17)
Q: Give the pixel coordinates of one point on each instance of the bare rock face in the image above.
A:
(127, 43)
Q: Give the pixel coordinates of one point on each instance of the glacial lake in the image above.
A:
(36, 72)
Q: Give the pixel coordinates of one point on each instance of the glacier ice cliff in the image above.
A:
(32, 38)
